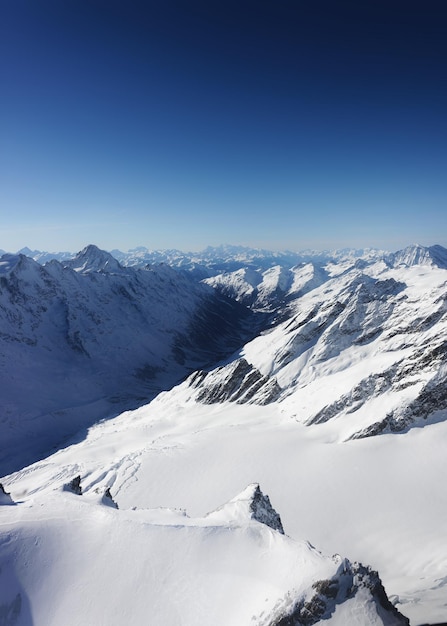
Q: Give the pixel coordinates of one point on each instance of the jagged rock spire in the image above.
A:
(5, 497)
(262, 510)
(250, 504)
(108, 500)
(74, 486)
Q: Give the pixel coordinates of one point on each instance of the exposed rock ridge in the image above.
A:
(327, 594)
(237, 382)
(5, 497)
(405, 373)
(263, 511)
(250, 504)
(431, 399)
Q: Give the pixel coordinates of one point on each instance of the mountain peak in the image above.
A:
(20, 262)
(93, 259)
(250, 504)
(420, 255)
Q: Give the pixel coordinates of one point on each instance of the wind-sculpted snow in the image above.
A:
(374, 500)
(80, 559)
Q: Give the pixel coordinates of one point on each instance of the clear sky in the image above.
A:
(181, 124)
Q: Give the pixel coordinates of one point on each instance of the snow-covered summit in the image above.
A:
(249, 504)
(419, 255)
(92, 259)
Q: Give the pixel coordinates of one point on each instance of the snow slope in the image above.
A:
(85, 339)
(110, 566)
(363, 351)
(176, 453)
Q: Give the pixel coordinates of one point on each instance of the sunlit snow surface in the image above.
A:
(369, 500)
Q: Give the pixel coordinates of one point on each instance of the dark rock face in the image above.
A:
(237, 382)
(433, 396)
(5, 497)
(264, 512)
(74, 486)
(108, 500)
(328, 593)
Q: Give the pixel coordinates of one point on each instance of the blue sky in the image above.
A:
(280, 124)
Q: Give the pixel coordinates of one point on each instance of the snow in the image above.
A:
(109, 566)
(182, 548)
(370, 500)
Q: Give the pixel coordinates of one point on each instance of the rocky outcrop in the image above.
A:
(74, 486)
(350, 579)
(250, 504)
(237, 382)
(431, 399)
(262, 510)
(108, 500)
(405, 373)
(5, 497)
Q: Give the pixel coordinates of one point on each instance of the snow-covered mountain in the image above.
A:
(335, 404)
(435, 256)
(43, 257)
(87, 338)
(364, 349)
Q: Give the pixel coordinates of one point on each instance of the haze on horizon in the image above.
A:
(285, 125)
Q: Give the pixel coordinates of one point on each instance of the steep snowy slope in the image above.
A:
(85, 339)
(435, 256)
(366, 348)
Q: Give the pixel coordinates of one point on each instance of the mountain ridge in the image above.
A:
(324, 380)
